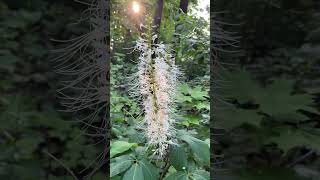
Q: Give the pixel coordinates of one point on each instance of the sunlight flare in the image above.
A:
(135, 7)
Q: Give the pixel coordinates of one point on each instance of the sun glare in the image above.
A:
(135, 6)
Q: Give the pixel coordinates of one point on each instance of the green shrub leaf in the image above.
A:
(200, 148)
(134, 173)
(118, 147)
(178, 157)
(121, 164)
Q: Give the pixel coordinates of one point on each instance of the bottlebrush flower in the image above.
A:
(156, 81)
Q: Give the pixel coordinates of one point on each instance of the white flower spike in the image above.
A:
(156, 83)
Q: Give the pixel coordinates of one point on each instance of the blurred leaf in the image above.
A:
(276, 100)
(200, 175)
(178, 157)
(150, 172)
(118, 147)
(198, 94)
(291, 137)
(134, 173)
(202, 105)
(239, 85)
(192, 119)
(8, 60)
(199, 148)
(178, 176)
(99, 176)
(232, 117)
(28, 144)
(121, 164)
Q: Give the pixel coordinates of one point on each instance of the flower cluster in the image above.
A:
(157, 79)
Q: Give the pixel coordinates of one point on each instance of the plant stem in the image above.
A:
(165, 168)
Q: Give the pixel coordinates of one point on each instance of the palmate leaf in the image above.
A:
(118, 147)
(276, 100)
(200, 175)
(233, 117)
(150, 172)
(202, 105)
(121, 164)
(142, 169)
(191, 119)
(189, 175)
(200, 148)
(134, 173)
(290, 137)
(196, 93)
(181, 98)
(178, 176)
(178, 157)
(239, 86)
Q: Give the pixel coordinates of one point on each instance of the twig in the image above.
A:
(165, 169)
(300, 158)
(60, 162)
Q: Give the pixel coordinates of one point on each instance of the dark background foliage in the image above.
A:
(271, 120)
(270, 114)
(33, 131)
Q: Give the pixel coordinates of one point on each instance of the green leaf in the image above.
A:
(291, 137)
(239, 85)
(121, 164)
(202, 105)
(134, 173)
(118, 147)
(198, 94)
(178, 157)
(184, 88)
(192, 119)
(232, 117)
(183, 98)
(200, 148)
(276, 100)
(178, 176)
(116, 178)
(150, 172)
(200, 175)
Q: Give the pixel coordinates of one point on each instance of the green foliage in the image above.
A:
(232, 117)
(271, 117)
(189, 175)
(118, 147)
(200, 148)
(191, 153)
(276, 100)
(121, 164)
(178, 157)
(288, 137)
(134, 173)
(194, 100)
(30, 123)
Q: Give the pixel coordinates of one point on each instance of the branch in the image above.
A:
(165, 169)
(157, 17)
(60, 162)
